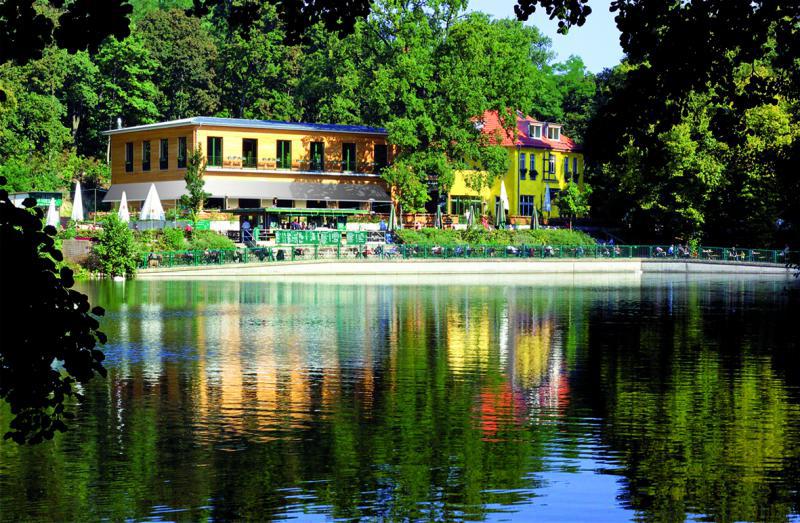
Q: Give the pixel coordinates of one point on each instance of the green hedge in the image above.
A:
(443, 237)
(210, 240)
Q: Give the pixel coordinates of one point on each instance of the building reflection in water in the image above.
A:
(247, 400)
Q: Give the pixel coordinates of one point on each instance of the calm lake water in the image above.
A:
(551, 399)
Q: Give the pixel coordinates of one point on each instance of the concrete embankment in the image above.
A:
(464, 267)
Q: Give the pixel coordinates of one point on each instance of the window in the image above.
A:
(129, 157)
(215, 203)
(381, 157)
(146, 156)
(535, 130)
(533, 172)
(553, 132)
(181, 152)
(522, 166)
(575, 168)
(163, 154)
(460, 205)
(214, 144)
(551, 166)
(317, 156)
(526, 205)
(348, 157)
(249, 203)
(250, 153)
(284, 154)
(566, 168)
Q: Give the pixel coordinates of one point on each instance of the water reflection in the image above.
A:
(656, 399)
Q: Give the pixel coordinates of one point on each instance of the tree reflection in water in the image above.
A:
(269, 400)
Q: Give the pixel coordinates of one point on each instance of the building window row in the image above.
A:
(163, 154)
(315, 162)
(527, 171)
(548, 167)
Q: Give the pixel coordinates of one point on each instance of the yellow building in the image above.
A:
(541, 159)
(266, 168)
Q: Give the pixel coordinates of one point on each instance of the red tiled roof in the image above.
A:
(492, 126)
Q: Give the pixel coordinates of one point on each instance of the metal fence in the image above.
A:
(189, 258)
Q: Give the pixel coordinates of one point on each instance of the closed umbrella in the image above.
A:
(123, 213)
(535, 218)
(52, 214)
(468, 216)
(391, 217)
(547, 206)
(77, 204)
(439, 216)
(503, 203)
(152, 210)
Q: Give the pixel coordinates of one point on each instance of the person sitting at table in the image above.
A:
(671, 251)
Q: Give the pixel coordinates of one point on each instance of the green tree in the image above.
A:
(425, 71)
(116, 250)
(66, 330)
(577, 89)
(681, 139)
(258, 73)
(573, 201)
(195, 170)
(125, 89)
(185, 54)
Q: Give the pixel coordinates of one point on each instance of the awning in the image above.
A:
(171, 190)
(300, 211)
(221, 187)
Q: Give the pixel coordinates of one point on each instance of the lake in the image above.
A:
(552, 399)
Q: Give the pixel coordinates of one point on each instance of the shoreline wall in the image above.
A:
(465, 267)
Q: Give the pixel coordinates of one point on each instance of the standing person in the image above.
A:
(246, 236)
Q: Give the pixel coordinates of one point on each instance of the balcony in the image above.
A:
(303, 166)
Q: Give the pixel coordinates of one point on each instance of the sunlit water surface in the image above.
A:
(553, 399)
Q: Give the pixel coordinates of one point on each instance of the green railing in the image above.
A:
(193, 258)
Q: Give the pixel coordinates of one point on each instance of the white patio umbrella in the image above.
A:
(503, 215)
(151, 209)
(77, 204)
(123, 213)
(52, 214)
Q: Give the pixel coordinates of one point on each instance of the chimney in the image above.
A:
(119, 123)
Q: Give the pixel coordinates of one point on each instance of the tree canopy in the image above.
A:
(696, 133)
(45, 322)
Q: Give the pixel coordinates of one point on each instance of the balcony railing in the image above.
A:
(302, 165)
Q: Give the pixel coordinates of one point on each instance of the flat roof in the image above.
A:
(199, 121)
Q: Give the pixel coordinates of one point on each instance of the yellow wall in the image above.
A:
(527, 187)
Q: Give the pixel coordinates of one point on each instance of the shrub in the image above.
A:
(494, 237)
(69, 232)
(173, 239)
(429, 237)
(116, 252)
(202, 240)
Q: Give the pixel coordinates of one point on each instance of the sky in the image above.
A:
(597, 42)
